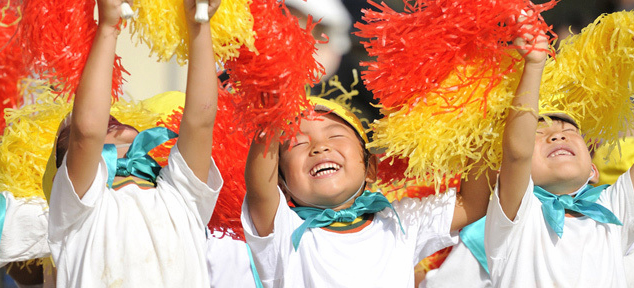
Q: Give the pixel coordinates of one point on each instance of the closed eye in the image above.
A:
(299, 144)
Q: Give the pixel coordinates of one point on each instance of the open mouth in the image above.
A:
(561, 152)
(324, 169)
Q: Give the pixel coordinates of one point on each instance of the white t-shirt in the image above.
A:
(24, 229)
(133, 237)
(527, 253)
(228, 262)
(460, 269)
(379, 255)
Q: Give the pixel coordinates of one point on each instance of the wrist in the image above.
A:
(534, 64)
(106, 30)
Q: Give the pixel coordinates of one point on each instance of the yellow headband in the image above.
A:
(326, 105)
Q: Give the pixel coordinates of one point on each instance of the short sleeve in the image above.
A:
(271, 251)
(498, 227)
(202, 196)
(430, 219)
(66, 208)
(620, 197)
(24, 230)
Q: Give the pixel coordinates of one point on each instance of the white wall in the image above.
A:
(147, 76)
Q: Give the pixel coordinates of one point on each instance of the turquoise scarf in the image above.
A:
(554, 206)
(368, 202)
(136, 161)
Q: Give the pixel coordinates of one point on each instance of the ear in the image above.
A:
(373, 163)
(595, 177)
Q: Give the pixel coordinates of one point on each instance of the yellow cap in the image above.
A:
(326, 105)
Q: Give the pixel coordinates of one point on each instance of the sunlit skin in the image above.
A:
(324, 166)
(561, 162)
(119, 136)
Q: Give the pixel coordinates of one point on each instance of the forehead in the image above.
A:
(322, 123)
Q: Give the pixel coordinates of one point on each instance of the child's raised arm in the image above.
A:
(518, 141)
(91, 110)
(261, 177)
(201, 100)
(473, 199)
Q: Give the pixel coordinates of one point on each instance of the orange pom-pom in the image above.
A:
(56, 37)
(417, 49)
(270, 82)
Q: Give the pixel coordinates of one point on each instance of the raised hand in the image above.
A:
(200, 10)
(533, 49)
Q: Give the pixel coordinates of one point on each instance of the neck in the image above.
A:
(343, 205)
(563, 188)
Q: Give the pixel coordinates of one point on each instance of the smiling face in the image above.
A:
(561, 161)
(325, 165)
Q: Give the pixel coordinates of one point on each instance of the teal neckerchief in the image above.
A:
(136, 161)
(3, 212)
(472, 236)
(368, 202)
(553, 206)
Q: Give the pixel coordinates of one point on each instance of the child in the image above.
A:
(131, 228)
(546, 164)
(325, 170)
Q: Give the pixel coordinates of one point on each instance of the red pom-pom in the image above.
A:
(417, 49)
(392, 170)
(270, 82)
(12, 68)
(230, 150)
(56, 37)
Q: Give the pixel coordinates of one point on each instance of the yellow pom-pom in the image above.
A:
(441, 138)
(591, 78)
(27, 144)
(231, 27)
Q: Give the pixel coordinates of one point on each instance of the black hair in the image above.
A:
(560, 119)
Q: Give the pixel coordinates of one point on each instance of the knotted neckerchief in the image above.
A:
(136, 161)
(368, 202)
(553, 206)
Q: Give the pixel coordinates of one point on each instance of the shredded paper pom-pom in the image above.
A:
(592, 78)
(11, 66)
(55, 37)
(29, 137)
(270, 83)
(418, 49)
(434, 143)
(231, 27)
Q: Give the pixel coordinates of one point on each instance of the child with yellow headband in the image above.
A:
(116, 218)
(339, 235)
(545, 226)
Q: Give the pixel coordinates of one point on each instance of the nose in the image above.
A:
(557, 136)
(319, 149)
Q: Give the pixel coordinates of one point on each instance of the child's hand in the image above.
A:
(539, 44)
(110, 12)
(190, 9)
